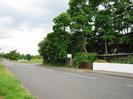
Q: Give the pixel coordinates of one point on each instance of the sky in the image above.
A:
(24, 23)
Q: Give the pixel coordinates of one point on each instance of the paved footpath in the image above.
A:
(49, 83)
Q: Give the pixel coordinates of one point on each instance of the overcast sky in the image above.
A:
(24, 23)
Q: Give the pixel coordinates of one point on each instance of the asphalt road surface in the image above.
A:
(51, 83)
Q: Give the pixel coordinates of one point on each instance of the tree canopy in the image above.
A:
(100, 26)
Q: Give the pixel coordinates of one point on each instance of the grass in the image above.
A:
(10, 87)
(32, 61)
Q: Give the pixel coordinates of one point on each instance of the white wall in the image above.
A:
(126, 68)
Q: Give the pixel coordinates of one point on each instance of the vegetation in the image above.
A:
(83, 57)
(10, 87)
(54, 48)
(28, 57)
(125, 60)
(14, 55)
(32, 61)
(90, 26)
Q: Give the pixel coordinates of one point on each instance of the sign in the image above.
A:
(69, 55)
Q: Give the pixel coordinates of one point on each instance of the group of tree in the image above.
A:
(14, 55)
(100, 26)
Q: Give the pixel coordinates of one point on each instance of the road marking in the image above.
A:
(79, 76)
(129, 85)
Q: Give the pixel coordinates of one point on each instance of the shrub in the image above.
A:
(83, 57)
(125, 60)
(92, 57)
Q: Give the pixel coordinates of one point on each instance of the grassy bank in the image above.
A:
(10, 87)
(32, 61)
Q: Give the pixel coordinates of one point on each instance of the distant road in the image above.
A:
(47, 83)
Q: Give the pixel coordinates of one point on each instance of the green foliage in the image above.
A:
(125, 40)
(32, 61)
(123, 19)
(28, 57)
(10, 87)
(13, 55)
(101, 26)
(92, 57)
(125, 60)
(83, 57)
(53, 49)
(80, 57)
(61, 22)
(81, 24)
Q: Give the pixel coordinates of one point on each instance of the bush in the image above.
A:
(125, 60)
(92, 57)
(83, 57)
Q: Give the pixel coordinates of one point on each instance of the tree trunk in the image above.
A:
(106, 47)
(84, 47)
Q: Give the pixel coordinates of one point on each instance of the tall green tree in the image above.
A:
(104, 24)
(105, 28)
(88, 24)
(54, 47)
(123, 16)
(81, 23)
(123, 22)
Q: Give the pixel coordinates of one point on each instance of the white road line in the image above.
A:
(129, 85)
(79, 76)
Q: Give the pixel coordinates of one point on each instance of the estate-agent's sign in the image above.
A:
(69, 55)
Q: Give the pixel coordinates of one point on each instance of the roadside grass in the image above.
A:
(10, 87)
(32, 61)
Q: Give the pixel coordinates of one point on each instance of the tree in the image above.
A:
(62, 22)
(89, 26)
(81, 23)
(123, 20)
(105, 28)
(123, 11)
(13, 55)
(104, 24)
(54, 47)
(28, 57)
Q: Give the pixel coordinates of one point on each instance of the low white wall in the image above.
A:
(126, 68)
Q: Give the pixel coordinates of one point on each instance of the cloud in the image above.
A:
(27, 42)
(25, 22)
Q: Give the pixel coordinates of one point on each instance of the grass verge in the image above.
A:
(10, 87)
(32, 61)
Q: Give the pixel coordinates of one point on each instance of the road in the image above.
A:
(52, 83)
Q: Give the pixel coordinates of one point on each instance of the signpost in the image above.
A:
(69, 59)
